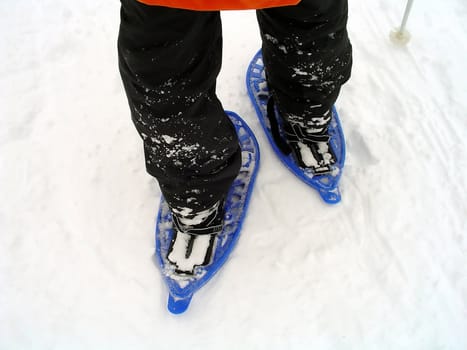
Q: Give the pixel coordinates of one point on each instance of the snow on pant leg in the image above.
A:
(307, 55)
(169, 60)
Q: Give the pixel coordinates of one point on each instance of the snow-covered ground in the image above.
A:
(385, 269)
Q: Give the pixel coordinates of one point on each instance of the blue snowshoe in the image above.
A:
(183, 285)
(322, 177)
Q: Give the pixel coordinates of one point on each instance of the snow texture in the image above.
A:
(384, 269)
(307, 157)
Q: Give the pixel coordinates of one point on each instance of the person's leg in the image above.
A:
(307, 56)
(169, 60)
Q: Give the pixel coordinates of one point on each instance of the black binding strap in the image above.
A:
(280, 142)
(299, 135)
(295, 134)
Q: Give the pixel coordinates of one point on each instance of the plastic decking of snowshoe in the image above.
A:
(182, 287)
(326, 184)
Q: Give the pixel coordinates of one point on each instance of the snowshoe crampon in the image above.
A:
(326, 184)
(182, 286)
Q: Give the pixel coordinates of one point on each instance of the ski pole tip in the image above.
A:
(399, 37)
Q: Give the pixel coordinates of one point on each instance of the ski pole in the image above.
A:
(400, 35)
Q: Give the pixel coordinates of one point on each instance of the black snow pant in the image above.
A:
(169, 60)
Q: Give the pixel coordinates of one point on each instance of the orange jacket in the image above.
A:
(215, 5)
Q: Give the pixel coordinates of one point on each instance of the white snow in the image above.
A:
(197, 255)
(307, 157)
(300, 72)
(385, 269)
(324, 151)
(168, 139)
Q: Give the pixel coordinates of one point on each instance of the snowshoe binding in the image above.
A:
(318, 158)
(204, 254)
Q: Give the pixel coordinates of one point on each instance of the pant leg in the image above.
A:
(169, 60)
(308, 56)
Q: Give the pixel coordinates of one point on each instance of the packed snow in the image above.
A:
(197, 254)
(384, 269)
